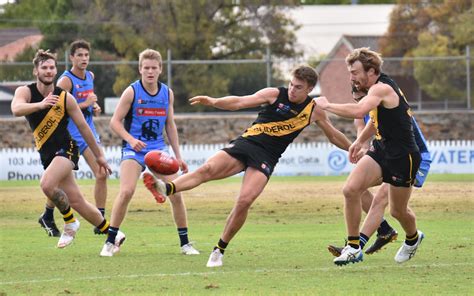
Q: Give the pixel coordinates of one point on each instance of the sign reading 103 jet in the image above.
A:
(308, 159)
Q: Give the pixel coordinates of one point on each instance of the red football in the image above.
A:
(161, 162)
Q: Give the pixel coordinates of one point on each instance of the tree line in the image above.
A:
(229, 29)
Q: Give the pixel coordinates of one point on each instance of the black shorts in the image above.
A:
(252, 155)
(70, 150)
(399, 172)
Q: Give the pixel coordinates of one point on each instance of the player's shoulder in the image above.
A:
(65, 81)
(25, 89)
(269, 92)
(381, 89)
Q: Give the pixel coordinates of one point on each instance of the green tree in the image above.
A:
(202, 29)
(432, 28)
(345, 2)
(192, 30)
(57, 20)
(61, 22)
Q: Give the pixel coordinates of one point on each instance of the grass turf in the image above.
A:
(281, 249)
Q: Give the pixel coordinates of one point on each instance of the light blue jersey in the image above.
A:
(81, 88)
(425, 153)
(145, 120)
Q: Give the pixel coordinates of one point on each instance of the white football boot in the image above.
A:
(188, 249)
(406, 252)
(69, 232)
(109, 249)
(349, 255)
(215, 260)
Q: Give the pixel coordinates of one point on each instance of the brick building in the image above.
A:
(334, 77)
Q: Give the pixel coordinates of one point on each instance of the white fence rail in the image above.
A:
(323, 159)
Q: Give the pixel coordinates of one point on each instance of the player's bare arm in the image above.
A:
(65, 83)
(361, 142)
(96, 108)
(264, 96)
(116, 122)
(334, 135)
(172, 133)
(352, 110)
(21, 105)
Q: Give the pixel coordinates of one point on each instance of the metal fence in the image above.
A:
(434, 83)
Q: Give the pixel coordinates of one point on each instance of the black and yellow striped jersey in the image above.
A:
(278, 124)
(49, 125)
(394, 129)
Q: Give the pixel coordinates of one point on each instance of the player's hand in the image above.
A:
(49, 101)
(183, 166)
(361, 153)
(103, 165)
(354, 152)
(91, 99)
(137, 145)
(322, 102)
(96, 109)
(203, 100)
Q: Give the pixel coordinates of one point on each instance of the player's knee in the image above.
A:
(379, 201)
(126, 194)
(100, 175)
(244, 203)
(47, 187)
(351, 190)
(397, 213)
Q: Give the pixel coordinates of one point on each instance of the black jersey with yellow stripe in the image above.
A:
(394, 129)
(278, 124)
(49, 125)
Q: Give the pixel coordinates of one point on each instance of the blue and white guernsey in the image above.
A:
(81, 88)
(147, 116)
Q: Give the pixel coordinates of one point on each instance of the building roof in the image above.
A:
(13, 34)
(352, 42)
(14, 40)
(371, 41)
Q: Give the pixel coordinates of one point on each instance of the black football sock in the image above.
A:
(170, 188)
(384, 228)
(104, 226)
(48, 213)
(183, 236)
(68, 216)
(411, 239)
(221, 245)
(112, 234)
(363, 240)
(353, 241)
(102, 211)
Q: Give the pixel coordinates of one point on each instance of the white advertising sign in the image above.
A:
(322, 159)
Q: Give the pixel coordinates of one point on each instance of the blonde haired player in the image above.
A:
(145, 109)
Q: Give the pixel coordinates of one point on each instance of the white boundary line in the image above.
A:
(335, 268)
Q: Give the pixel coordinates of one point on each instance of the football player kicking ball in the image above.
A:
(379, 202)
(47, 109)
(145, 109)
(285, 113)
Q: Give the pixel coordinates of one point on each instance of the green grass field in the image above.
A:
(280, 251)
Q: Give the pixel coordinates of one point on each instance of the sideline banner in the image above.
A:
(300, 159)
